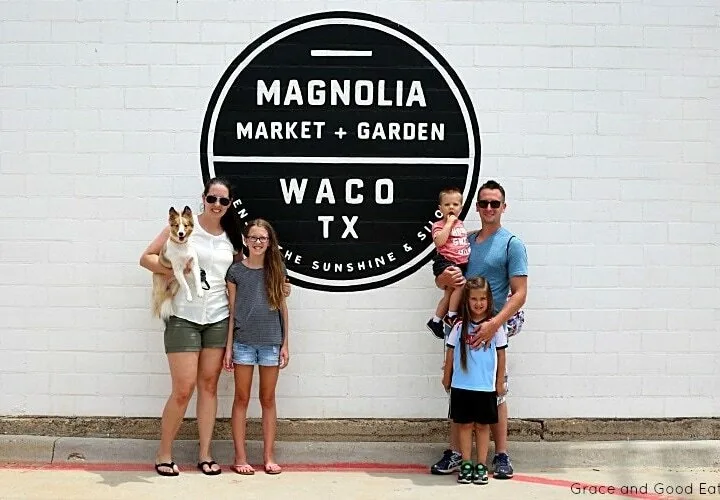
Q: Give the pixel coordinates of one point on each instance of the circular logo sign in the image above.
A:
(341, 128)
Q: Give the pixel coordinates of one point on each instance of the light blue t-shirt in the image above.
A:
(497, 261)
(481, 372)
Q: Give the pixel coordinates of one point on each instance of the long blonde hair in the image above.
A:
(272, 262)
(478, 283)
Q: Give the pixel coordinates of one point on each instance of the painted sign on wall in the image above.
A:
(340, 128)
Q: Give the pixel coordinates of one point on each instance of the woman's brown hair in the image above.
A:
(272, 262)
(478, 283)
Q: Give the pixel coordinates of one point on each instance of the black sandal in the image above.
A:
(210, 471)
(169, 465)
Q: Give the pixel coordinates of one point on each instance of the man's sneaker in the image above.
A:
(465, 476)
(436, 328)
(502, 468)
(480, 474)
(449, 463)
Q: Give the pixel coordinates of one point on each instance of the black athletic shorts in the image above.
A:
(473, 407)
(440, 263)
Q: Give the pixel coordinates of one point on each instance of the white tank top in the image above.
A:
(215, 254)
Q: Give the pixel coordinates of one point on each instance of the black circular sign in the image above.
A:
(341, 128)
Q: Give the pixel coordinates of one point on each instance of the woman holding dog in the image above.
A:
(195, 335)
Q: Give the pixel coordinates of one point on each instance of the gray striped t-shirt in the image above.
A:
(255, 322)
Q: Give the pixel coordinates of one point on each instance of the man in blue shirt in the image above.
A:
(500, 257)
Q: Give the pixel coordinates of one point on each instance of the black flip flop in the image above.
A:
(210, 471)
(169, 465)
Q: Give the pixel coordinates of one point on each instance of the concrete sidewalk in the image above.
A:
(526, 456)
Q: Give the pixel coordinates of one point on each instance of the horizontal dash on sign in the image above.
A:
(340, 53)
(341, 159)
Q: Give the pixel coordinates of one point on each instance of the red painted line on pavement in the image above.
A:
(331, 467)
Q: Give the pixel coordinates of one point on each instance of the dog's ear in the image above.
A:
(172, 212)
(187, 211)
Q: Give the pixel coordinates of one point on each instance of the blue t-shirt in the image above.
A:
(481, 372)
(497, 262)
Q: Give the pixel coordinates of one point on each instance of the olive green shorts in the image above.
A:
(182, 335)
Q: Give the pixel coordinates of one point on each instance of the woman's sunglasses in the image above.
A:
(492, 203)
(211, 199)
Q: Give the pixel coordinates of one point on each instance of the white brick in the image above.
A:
(73, 31)
(642, 364)
(547, 13)
(564, 35)
(693, 16)
(26, 32)
(454, 12)
(16, 10)
(498, 12)
(100, 98)
(498, 56)
(223, 32)
(99, 142)
(617, 386)
(642, 14)
(690, 232)
(203, 55)
(548, 145)
(572, 79)
(666, 386)
(325, 386)
(151, 53)
(123, 32)
(143, 10)
(551, 100)
(598, 364)
(177, 32)
(596, 14)
(46, 54)
(595, 277)
(212, 10)
(126, 76)
(695, 364)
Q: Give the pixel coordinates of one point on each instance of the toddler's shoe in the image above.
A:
(480, 474)
(436, 328)
(465, 475)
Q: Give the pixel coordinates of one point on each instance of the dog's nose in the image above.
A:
(181, 235)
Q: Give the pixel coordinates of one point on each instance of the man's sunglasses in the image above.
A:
(492, 203)
(211, 199)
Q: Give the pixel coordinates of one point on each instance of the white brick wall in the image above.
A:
(600, 117)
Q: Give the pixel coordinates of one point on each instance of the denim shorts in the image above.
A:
(261, 355)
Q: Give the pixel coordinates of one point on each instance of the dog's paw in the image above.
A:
(189, 297)
(200, 293)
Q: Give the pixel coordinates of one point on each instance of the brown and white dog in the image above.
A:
(176, 254)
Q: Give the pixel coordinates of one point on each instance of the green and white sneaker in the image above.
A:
(465, 475)
(480, 474)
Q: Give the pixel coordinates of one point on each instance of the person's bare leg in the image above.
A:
(454, 437)
(243, 383)
(268, 382)
(499, 430)
(442, 307)
(482, 442)
(183, 373)
(455, 297)
(465, 433)
(209, 368)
